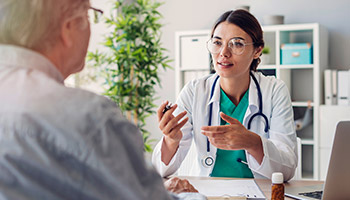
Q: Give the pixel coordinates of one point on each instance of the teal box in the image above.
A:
(296, 54)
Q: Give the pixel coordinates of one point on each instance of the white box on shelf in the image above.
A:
(193, 52)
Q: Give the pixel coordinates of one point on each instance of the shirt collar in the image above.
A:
(15, 56)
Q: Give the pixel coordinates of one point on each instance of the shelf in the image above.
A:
(307, 142)
(273, 66)
(267, 66)
(290, 27)
(311, 66)
(302, 104)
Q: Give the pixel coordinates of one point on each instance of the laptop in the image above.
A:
(337, 184)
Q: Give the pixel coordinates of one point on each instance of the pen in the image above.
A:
(241, 161)
(167, 107)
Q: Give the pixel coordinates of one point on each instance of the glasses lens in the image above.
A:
(214, 45)
(237, 46)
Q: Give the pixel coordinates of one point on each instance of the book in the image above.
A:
(334, 87)
(328, 93)
(330, 86)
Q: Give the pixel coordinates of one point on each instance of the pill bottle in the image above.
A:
(277, 190)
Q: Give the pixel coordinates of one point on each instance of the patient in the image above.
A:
(58, 142)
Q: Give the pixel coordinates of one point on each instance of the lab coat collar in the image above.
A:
(253, 92)
(15, 56)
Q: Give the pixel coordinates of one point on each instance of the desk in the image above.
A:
(265, 184)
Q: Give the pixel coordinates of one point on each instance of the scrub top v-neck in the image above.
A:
(226, 164)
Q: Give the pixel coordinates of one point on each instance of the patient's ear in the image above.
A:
(67, 33)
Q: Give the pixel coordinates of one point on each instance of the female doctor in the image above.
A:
(241, 121)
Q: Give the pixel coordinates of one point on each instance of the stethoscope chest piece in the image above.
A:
(207, 161)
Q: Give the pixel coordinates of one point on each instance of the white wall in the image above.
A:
(181, 15)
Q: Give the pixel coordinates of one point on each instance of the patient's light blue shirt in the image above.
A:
(64, 143)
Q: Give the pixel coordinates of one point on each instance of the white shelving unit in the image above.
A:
(304, 81)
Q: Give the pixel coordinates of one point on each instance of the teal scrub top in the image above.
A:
(226, 164)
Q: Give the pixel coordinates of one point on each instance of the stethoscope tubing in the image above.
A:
(259, 113)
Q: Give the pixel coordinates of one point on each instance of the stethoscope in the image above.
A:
(208, 160)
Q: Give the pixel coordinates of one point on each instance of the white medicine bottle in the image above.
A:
(277, 190)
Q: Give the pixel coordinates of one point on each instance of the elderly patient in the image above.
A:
(58, 142)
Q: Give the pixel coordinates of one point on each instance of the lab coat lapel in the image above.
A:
(215, 101)
(215, 116)
(253, 106)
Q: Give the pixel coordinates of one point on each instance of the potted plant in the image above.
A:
(131, 60)
(265, 56)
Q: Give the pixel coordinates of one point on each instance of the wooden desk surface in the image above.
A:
(265, 184)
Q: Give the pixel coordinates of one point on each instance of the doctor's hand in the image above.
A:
(177, 185)
(170, 126)
(234, 137)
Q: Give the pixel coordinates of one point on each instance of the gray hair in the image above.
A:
(36, 24)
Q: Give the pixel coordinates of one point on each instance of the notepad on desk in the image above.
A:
(228, 189)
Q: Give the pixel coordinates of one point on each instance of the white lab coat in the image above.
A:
(279, 144)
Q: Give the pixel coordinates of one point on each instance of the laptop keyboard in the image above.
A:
(315, 195)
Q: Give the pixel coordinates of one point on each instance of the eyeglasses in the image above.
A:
(236, 45)
(95, 14)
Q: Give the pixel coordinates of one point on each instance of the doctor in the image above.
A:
(240, 121)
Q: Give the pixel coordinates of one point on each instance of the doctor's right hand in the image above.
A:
(170, 126)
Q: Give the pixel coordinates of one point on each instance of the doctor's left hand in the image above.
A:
(234, 137)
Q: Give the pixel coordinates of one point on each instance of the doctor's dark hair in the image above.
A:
(249, 24)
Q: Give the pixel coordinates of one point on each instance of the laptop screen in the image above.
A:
(338, 176)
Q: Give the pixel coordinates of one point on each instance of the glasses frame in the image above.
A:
(244, 44)
(97, 14)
